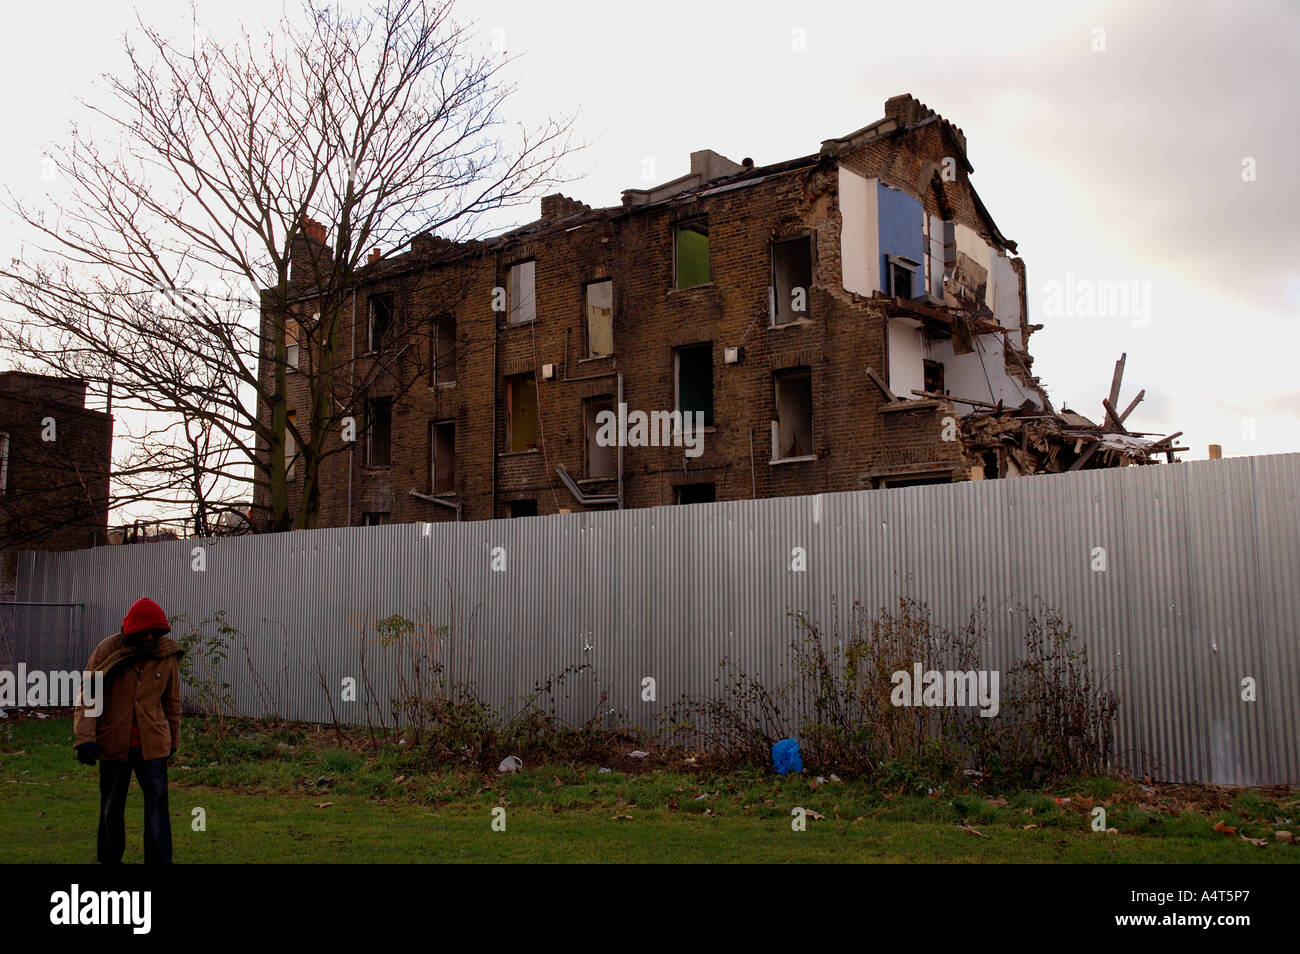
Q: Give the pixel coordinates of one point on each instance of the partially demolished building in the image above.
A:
(849, 319)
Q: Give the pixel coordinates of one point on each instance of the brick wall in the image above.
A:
(56, 491)
(855, 440)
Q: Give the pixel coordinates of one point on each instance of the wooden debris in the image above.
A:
(890, 395)
(1117, 378)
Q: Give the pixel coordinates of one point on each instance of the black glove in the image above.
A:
(87, 752)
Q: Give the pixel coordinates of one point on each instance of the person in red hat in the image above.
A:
(137, 730)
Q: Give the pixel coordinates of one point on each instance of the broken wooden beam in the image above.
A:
(871, 373)
(1085, 456)
(1117, 378)
(973, 402)
(1132, 404)
(1111, 416)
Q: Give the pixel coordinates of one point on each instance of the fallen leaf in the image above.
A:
(815, 816)
(1284, 836)
(998, 802)
(1257, 842)
(1224, 829)
(324, 804)
(1028, 827)
(972, 831)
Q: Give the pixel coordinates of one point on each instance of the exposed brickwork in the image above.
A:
(56, 491)
(855, 440)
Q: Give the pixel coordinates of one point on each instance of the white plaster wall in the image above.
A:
(969, 241)
(1006, 296)
(934, 258)
(964, 375)
(859, 233)
(906, 352)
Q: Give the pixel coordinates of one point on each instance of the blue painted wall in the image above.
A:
(901, 233)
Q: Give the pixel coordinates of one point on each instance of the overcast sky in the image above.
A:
(1117, 164)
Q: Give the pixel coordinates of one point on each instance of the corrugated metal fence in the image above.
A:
(1199, 592)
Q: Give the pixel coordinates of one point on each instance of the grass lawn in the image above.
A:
(294, 794)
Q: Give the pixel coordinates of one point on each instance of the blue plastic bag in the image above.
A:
(786, 757)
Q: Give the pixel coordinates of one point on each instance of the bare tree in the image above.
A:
(209, 259)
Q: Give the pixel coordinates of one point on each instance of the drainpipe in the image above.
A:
(753, 478)
(453, 505)
(352, 373)
(495, 335)
(581, 497)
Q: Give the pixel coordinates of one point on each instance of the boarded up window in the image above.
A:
(600, 319)
(602, 461)
(791, 278)
(933, 376)
(691, 253)
(792, 433)
(523, 508)
(901, 274)
(379, 433)
(381, 321)
(442, 454)
(695, 493)
(521, 290)
(521, 412)
(444, 350)
(695, 381)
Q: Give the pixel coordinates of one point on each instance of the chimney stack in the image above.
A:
(315, 231)
(309, 252)
(557, 206)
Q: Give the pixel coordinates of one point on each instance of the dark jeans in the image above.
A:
(114, 780)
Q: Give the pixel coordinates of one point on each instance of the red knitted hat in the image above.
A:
(144, 614)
